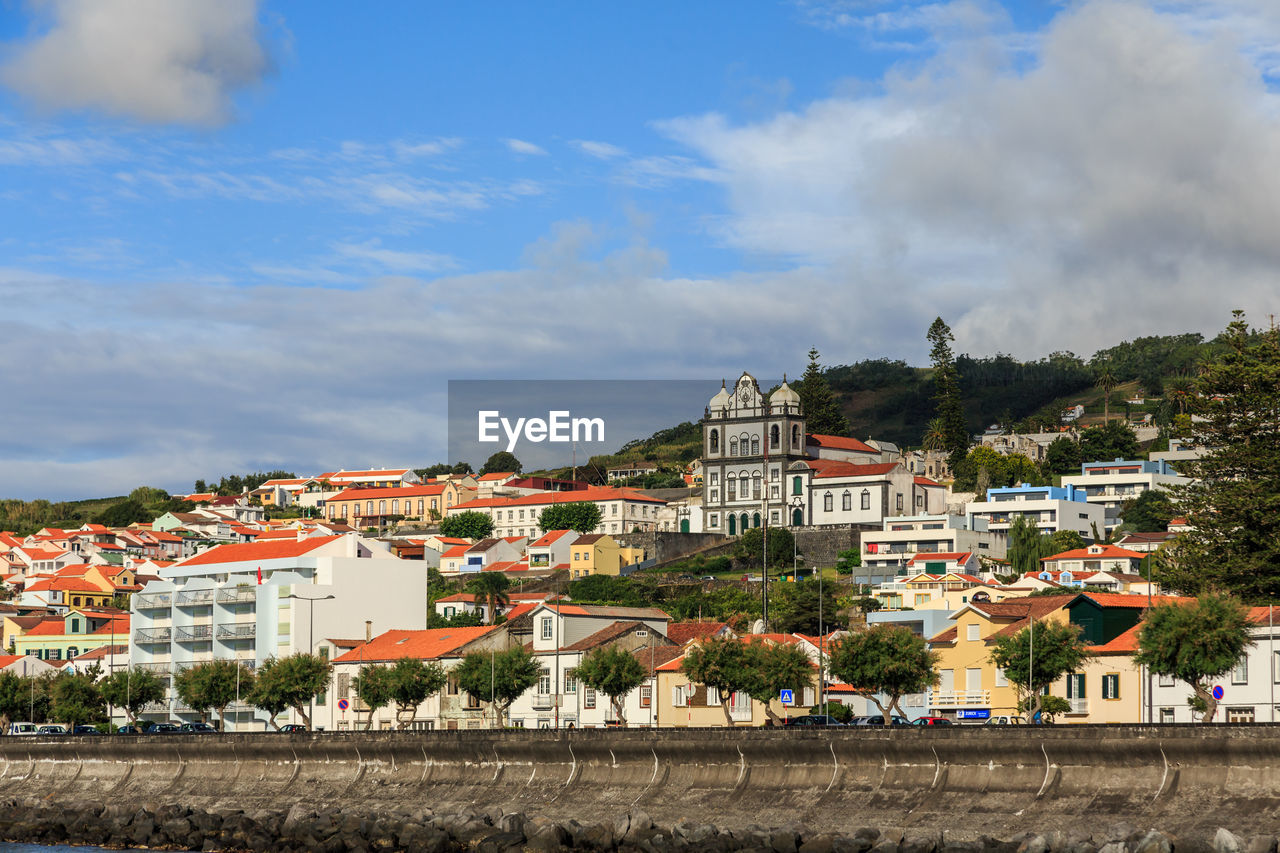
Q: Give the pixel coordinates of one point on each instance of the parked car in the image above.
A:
(292, 728)
(933, 721)
(878, 720)
(197, 729)
(814, 720)
(85, 730)
(163, 729)
(1005, 720)
(707, 578)
(52, 729)
(131, 730)
(23, 728)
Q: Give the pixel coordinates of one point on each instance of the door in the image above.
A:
(684, 525)
(733, 524)
(797, 517)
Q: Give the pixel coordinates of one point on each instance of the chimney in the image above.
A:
(368, 630)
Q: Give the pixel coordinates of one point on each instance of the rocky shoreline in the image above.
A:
(173, 827)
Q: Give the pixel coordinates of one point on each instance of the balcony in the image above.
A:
(193, 633)
(237, 632)
(157, 668)
(153, 601)
(151, 635)
(239, 595)
(195, 598)
(1079, 706)
(543, 702)
(961, 699)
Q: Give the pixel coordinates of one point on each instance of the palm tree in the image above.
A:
(935, 434)
(1105, 378)
(1180, 389)
(492, 587)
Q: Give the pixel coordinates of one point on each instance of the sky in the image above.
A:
(260, 234)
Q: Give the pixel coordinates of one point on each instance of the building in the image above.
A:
(255, 601)
(1112, 484)
(748, 443)
(632, 469)
(68, 635)
(600, 554)
(361, 507)
(622, 510)
(1094, 558)
(891, 550)
(1048, 508)
(832, 492)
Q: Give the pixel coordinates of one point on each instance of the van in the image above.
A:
(23, 728)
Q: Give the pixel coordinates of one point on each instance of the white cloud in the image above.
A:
(519, 146)
(372, 252)
(599, 150)
(163, 61)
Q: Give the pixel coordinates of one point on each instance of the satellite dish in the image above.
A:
(757, 627)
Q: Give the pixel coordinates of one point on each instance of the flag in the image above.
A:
(259, 575)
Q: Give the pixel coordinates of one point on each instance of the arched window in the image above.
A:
(733, 445)
(846, 501)
(368, 508)
(395, 505)
(382, 507)
(866, 499)
(714, 441)
(774, 437)
(757, 491)
(731, 487)
(795, 436)
(744, 520)
(796, 488)
(755, 445)
(755, 520)
(827, 502)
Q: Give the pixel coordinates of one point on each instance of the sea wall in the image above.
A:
(968, 782)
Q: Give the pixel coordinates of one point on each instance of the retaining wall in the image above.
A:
(969, 781)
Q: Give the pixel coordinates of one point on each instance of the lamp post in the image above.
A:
(311, 635)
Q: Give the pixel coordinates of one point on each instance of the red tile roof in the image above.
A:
(1125, 644)
(683, 632)
(1106, 552)
(594, 493)
(925, 481)
(258, 551)
(839, 442)
(376, 494)
(826, 468)
(427, 644)
(947, 556)
(549, 537)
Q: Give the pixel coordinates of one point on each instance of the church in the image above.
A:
(759, 464)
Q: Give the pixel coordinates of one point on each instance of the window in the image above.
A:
(368, 507)
(546, 628)
(755, 445)
(646, 696)
(1240, 715)
(846, 500)
(733, 446)
(680, 696)
(421, 510)
(866, 499)
(795, 486)
(1165, 681)
(395, 506)
(544, 683)
(713, 697)
(827, 501)
(1166, 715)
(1111, 685)
(1002, 680)
(899, 501)
(714, 442)
(589, 697)
(971, 632)
(731, 488)
(774, 437)
(72, 652)
(570, 683)
(714, 521)
(1240, 675)
(795, 435)
(715, 477)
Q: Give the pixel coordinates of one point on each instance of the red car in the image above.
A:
(932, 721)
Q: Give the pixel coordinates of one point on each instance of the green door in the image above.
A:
(684, 525)
(797, 517)
(733, 525)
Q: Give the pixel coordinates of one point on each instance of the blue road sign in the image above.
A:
(788, 697)
(974, 713)
(343, 704)
(1218, 692)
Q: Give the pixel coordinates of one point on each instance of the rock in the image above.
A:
(885, 845)
(868, 832)
(511, 822)
(1260, 844)
(501, 842)
(597, 836)
(784, 841)
(1153, 842)
(693, 833)
(1034, 844)
(921, 844)
(547, 837)
(1226, 841)
(822, 843)
(1112, 847)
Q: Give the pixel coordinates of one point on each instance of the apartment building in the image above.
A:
(1112, 484)
(1049, 508)
(918, 538)
(622, 510)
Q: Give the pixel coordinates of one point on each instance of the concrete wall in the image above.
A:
(968, 781)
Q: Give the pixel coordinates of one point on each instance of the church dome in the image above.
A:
(721, 400)
(784, 396)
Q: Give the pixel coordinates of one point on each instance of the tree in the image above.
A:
(1062, 456)
(886, 660)
(1105, 378)
(412, 681)
(200, 487)
(818, 402)
(290, 682)
(373, 689)
(500, 463)
(15, 697)
(1112, 440)
(782, 546)
(467, 525)
(847, 561)
(498, 678)
(1036, 657)
(1149, 512)
(132, 690)
(793, 607)
(1233, 506)
(581, 516)
(123, 514)
(935, 435)
(213, 685)
(720, 664)
(613, 671)
(77, 700)
(1181, 390)
(1195, 643)
(1063, 540)
(776, 667)
(492, 587)
(946, 389)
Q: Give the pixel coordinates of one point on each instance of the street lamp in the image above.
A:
(311, 635)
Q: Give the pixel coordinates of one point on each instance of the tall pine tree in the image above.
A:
(946, 383)
(1233, 505)
(818, 402)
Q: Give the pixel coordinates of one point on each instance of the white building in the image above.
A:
(829, 492)
(1049, 508)
(254, 601)
(1112, 484)
(892, 549)
(622, 510)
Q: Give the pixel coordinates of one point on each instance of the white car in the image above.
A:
(23, 728)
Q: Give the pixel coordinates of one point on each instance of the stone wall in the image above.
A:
(667, 545)
(821, 546)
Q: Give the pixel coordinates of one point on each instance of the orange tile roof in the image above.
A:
(825, 468)
(959, 557)
(593, 493)
(925, 481)
(456, 551)
(258, 551)
(426, 644)
(495, 475)
(375, 494)
(1124, 644)
(1107, 552)
(682, 632)
(549, 537)
(839, 442)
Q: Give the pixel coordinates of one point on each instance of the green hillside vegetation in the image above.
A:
(142, 504)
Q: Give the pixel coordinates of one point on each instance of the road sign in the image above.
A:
(1218, 692)
(788, 697)
(343, 704)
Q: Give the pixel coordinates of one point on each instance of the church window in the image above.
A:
(795, 436)
(827, 502)
(795, 486)
(715, 441)
(755, 445)
(733, 446)
(773, 437)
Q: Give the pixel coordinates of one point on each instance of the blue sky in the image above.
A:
(245, 234)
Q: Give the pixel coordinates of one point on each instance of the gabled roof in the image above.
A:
(606, 635)
(258, 551)
(683, 632)
(495, 475)
(925, 481)
(1104, 552)
(549, 537)
(829, 468)
(378, 494)
(651, 658)
(603, 611)
(839, 442)
(943, 556)
(101, 653)
(426, 644)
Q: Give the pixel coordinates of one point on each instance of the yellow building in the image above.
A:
(600, 554)
(682, 704)
(375, 507)
(68, 636)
